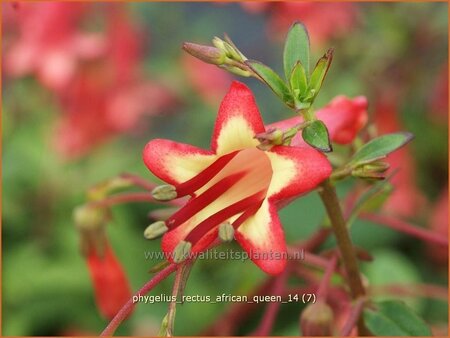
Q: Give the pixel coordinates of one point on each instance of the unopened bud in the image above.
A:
(181, 251)
(207, 54)
(270, 138)
(155, 230)
(89, 217)
(317, 320)
(226, 232)
(162, 214)
(164, 193)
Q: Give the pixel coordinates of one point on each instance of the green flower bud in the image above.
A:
(226, 232)
(317, 320)
(182, 251)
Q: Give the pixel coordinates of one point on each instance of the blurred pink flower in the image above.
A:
(344, 118)
(209, 81)
(46, 41)
(406, 200)
(108, 96)
(324, 20)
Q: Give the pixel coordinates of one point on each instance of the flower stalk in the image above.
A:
(331, 203)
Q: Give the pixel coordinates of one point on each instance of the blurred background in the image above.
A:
(86, 85)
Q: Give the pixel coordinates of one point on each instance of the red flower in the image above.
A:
(439, 224)
(111, 286)
(234, 183)
(439, 96)
(406, 200)
(48, 42)
(209, 81)
(343, 117)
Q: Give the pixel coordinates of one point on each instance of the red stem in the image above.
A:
(139, 181)
(415, 290)
(325, 282)
(272, 309)
(352, 320)
(126, 309)
(406, 228)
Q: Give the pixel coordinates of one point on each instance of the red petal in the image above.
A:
(262, 237)
(175, 162)
(111, 286)
(344, 118)
(238, 103)
(311, 168)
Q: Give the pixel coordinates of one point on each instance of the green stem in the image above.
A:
(331, 202)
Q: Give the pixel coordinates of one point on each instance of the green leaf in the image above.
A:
(296, 48)
(316, 135)
(319, 73)
(380, 147)
(272, 80)
(298, 81)
(394, 318)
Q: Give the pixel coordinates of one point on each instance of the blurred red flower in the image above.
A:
(95, 75)
(324, 20)
(344, 118)
(406, 199)
(209, 81)
(108, 96)
(45, 40)
(111, 286)
(439, 96)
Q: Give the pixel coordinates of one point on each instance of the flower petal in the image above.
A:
(296, 170)
(344, 118)
(262, 237)
(237, 122)
(175, 162)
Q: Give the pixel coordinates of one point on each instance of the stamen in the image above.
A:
(181, 251)
(155, 230)
(200, 202)
(205, 176)
(201, 229)
(246, 215)
(226, 232)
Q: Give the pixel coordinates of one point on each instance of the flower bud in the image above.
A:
(165, 192)
(155, 230)
(181, 251)
(90, 218)
(226, 232)
(207, 54)
(317, 320)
